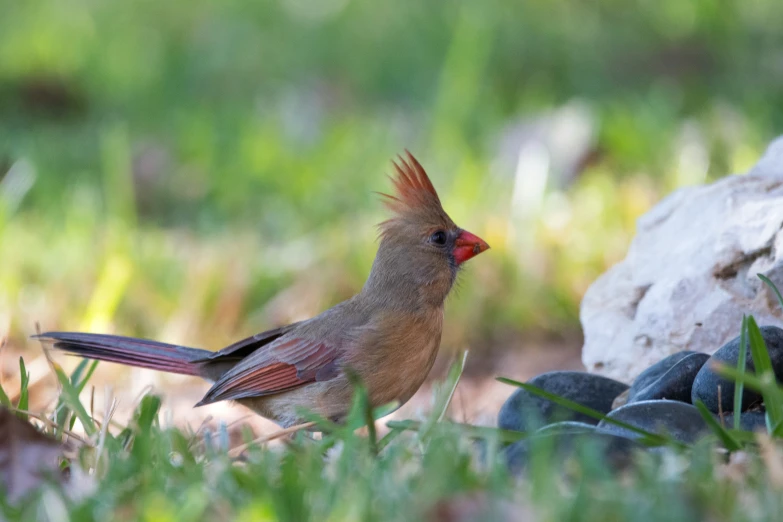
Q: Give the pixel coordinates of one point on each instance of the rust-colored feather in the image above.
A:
(413, 188)
(286, 364)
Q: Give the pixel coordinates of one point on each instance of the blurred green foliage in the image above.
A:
(431, 470)
(172, 168)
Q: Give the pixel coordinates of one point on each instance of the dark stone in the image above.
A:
(655, 372)
(676, 383)
(749, 421)
(568, 439)
(593, 391)
(679, 420)
(705, 386)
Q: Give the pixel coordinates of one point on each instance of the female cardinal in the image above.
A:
(388, 334)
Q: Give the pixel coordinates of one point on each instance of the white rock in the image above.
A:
(690, 273)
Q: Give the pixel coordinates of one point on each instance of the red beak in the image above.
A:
(468, 245)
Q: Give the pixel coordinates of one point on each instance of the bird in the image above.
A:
(388, 334)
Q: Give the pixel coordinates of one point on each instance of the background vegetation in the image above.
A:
(200, 170)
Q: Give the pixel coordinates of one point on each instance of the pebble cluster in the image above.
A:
(660, 400)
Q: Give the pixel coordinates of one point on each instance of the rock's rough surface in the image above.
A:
(690, 273)
(676, 384)
(705, 386)
(589, 390)
(679, 420)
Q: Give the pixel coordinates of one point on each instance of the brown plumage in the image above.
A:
(388, 334)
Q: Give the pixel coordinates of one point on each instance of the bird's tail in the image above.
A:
(128, 350)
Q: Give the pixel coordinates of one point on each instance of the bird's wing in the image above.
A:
(241, 349)
(286, 363)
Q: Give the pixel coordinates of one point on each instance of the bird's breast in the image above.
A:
(398, 362)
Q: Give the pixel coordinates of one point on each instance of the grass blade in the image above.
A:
(758, 348)
(444, 393)
(76, 378)
(23, 401)
(450, 386)
(327, 426)
(774, 288)
(76, 375)
(386, 409)
(647, 437)
(469, 430)
(728, 440)
(739, 387)
(78, 383)
(4, 399)
(369, 420)
(773, 398)
(388, 438)
(749, 379)
(71, 398)
(361, 413)
(743, 437)
(322, 424)
(767, 387)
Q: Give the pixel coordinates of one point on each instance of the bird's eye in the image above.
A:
(438, 238)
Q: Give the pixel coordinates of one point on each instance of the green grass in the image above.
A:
(198, 171)
(415, 471)
(152, 473)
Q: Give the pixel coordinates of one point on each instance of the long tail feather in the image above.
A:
(131, 351)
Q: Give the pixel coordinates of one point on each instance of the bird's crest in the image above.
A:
(414, 191)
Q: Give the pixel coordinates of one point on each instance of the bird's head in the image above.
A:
(421, 248)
